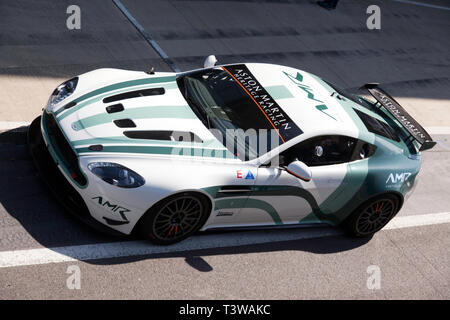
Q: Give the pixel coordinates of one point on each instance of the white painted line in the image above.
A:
(139, 248)
(146, 36)
(438, 130)
(418, 220)
(9, 125)
(423, 4)
(443, 145)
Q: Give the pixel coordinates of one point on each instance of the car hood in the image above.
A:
(135, 113)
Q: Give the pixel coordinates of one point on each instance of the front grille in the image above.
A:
(63, 150)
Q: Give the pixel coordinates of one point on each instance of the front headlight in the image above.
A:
(64, 90)
(116, 174)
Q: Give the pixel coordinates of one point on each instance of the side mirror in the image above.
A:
(210, 61)
(299, 170)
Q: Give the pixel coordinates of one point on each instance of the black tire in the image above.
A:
(372, 215)
(175, 218)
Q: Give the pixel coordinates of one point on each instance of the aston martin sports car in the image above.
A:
(164, 155)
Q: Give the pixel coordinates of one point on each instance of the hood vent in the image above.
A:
(70, 105)
(125, 123)
(114, 108)
(163, 135)
(96, 147)
(134, 94)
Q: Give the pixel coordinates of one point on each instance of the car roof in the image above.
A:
(307, 100)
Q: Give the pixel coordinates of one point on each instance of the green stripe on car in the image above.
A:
(279, 92)
(180, 112)
(126, 140)
(248, 203)
(177, 151)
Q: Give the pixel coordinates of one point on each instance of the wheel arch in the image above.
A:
(196, 192)
(396, 194)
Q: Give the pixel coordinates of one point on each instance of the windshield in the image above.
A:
(226, 107)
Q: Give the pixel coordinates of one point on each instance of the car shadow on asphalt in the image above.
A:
(29, 213)
(194, 258)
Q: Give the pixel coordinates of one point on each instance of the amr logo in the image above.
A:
(398, 177)
(112, 207)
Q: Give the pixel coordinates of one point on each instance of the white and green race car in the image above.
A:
(243, 145)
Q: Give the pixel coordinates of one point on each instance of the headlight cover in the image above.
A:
(116, 174)
(64, 90)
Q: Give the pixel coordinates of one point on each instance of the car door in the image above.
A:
(279, 197)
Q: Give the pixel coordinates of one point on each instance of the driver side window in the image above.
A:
(320, 151)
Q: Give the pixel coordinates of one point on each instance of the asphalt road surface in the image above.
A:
(409, 55)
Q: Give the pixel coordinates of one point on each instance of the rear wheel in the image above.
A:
(174, 218)
(373, 215)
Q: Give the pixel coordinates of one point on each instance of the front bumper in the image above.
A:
(57, 182)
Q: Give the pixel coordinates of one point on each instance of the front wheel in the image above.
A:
(372, 216)
(174, 219)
